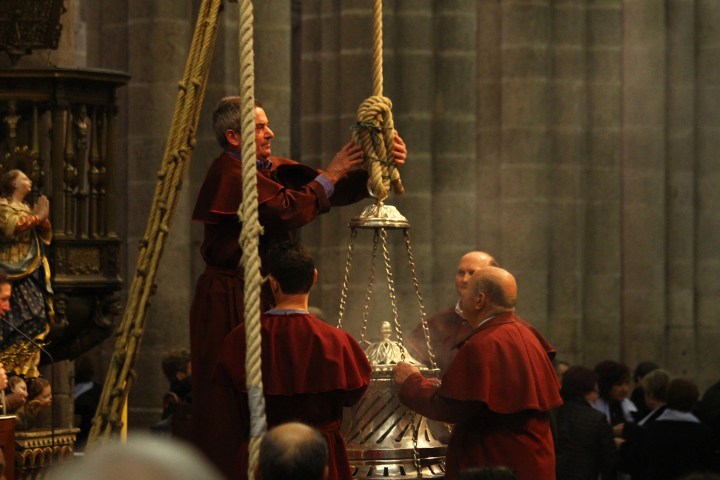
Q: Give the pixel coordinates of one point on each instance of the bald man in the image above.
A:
(293, 451)
(447, 328)
(498, 390)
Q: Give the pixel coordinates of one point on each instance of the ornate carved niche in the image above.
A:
(58, 126)
(29, 24)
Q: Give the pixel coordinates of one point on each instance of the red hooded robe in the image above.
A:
(498, 391)
(310, 371)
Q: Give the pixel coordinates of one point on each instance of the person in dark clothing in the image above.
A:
(176, 367)
(708, 409)
(584, 447)
(87, 397)
(637, 396)
(654, 386)
(677, 443)
(613, 388)
(177, 400)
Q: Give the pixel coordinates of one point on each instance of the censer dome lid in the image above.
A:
(387, 353)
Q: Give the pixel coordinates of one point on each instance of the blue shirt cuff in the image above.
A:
(327, 185)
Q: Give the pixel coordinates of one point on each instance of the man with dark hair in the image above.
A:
(310, 370)
(290, 195)
(177, 401)
(499, 389)
(293, 451)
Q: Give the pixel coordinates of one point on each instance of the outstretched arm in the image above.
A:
(422, 395)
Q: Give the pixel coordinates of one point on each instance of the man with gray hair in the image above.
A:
(499, 389)
(293, 451)
(290, 195)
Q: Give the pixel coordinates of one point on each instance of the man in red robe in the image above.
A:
(499, 389)
(290, 195)
(310, 370)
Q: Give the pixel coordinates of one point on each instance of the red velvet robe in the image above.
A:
(288, 198)
(498, 392)
(446, 329)
(310, 371)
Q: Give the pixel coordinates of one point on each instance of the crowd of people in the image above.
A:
(667, 432)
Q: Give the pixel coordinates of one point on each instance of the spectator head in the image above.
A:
(39, 389)
(176, 364)
(291, 267)
(682, 394)
(655, 384)
(577, 382)
(5, 293)
(293, 451)
(613, 380)
(141, 458)
(642, 369)
(561, 366)
(17, 384)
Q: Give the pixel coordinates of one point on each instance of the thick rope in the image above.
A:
(179, 145)
(375, 131)
(249, 238)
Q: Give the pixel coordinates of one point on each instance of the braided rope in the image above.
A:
(249, 238)
(374, 130)
(180, 143)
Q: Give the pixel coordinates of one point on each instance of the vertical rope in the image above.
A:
(377, 73)
(249, 238)
(179, 145)
(375, 131)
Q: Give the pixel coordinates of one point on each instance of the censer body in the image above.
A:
(384, 438)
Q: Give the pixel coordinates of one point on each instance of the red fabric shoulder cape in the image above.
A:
(221, 192)
(504, 365)
(300, 354)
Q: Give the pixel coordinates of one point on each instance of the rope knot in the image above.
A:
(375, 133)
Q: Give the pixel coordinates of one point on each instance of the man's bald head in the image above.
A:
(468, 264)
(293, 451)
(491, 290)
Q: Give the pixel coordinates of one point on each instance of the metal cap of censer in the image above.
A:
(379, 215)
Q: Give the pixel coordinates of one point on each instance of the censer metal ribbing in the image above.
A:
(384, 438)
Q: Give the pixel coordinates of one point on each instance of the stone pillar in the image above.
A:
(525, 153)
(453, 186)
(568, 163)
(601, 330)
(488, 134)
(150, 40)
(643, 167)
(707, 216)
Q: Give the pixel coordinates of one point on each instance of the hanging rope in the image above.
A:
(179, 145)
(249, 238)
(374, 130)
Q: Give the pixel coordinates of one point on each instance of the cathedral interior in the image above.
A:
(575, 140)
